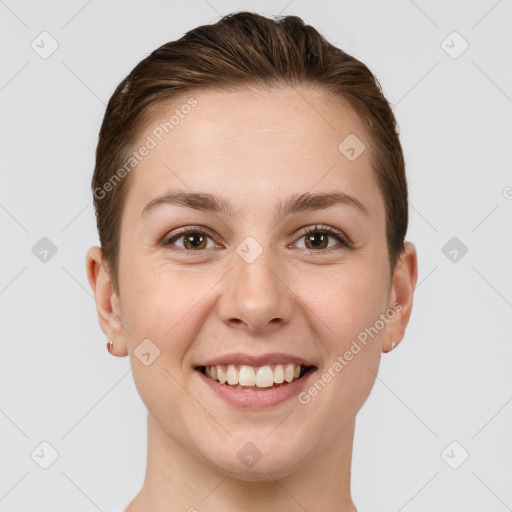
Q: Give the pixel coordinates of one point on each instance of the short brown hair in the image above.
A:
(245, 49)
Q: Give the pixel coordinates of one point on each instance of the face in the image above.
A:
(291, 269)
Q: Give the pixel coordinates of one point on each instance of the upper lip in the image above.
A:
(256, 360)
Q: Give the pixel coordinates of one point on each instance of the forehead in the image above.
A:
(250, 145)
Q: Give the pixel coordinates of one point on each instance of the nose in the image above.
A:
(256, 296)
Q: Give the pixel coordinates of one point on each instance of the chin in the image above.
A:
(251, 464)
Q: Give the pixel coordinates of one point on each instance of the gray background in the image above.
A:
(450, 379)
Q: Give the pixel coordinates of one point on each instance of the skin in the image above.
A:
(255, 148)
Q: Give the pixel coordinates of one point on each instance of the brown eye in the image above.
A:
(316, 239)
(193, 240)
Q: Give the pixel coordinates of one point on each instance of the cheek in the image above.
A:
(160, 306)
(349, 307)
(169, 308)
(346, 301)
(352, 352)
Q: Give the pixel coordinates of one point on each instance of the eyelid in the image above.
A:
(335, 233)
(323, 229)
(330, 231)
(190, 229)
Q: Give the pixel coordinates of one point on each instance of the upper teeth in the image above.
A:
(261, 377)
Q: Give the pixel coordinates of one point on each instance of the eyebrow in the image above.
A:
(296, 203)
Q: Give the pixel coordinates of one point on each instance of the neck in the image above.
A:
(178, 481)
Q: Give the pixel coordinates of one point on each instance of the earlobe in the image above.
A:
(107, 302)
(402, 293)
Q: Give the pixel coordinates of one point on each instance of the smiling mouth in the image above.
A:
(249, 378)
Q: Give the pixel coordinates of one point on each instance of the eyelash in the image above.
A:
(326, 230)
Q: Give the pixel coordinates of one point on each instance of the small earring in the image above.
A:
(110, 346)
(393, 345)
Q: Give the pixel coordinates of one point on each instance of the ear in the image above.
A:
(402, 292)
(107, 302)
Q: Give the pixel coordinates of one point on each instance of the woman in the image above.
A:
(251, 204)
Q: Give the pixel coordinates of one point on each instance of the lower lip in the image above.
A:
(256, 399)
